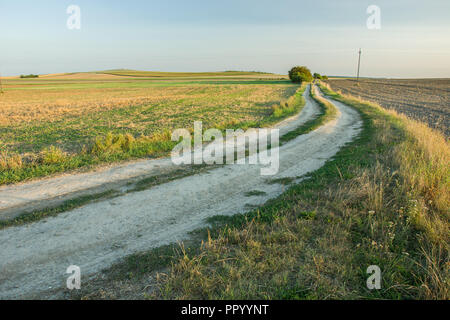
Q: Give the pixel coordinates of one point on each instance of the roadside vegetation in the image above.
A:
(383, 200)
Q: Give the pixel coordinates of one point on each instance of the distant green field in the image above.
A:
(124, 78)
(74, 84)
(136, 73)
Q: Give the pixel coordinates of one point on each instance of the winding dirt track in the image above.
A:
(34, 257)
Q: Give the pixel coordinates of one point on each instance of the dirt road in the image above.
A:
(35, 257)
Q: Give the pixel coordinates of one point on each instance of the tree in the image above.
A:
(324, 78)
(317, 76)
(299, 74)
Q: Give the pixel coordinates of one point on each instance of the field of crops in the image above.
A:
(427, 100)
(68, 113)
(156, 74)
(71, 112)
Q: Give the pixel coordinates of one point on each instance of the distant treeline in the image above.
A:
(29, 76)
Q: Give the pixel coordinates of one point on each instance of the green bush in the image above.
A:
(317, 76)
(300, 74)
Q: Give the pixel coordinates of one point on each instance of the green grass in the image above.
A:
(255, 193)
(283, 181)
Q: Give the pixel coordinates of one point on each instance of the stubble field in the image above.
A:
(60, 122)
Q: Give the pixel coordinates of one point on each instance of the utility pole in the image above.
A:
(359, 63)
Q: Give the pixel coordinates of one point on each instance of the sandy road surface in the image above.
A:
(34, 257)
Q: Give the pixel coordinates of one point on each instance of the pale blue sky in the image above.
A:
(263, 35)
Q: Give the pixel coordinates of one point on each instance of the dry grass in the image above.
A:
(422, 159)
(424, 162)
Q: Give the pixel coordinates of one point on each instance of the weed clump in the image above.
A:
(52, 155)
(10, 162)
(113, 143)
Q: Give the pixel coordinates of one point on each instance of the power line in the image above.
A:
(359, 63)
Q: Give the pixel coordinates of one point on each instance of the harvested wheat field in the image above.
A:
(68, 121)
